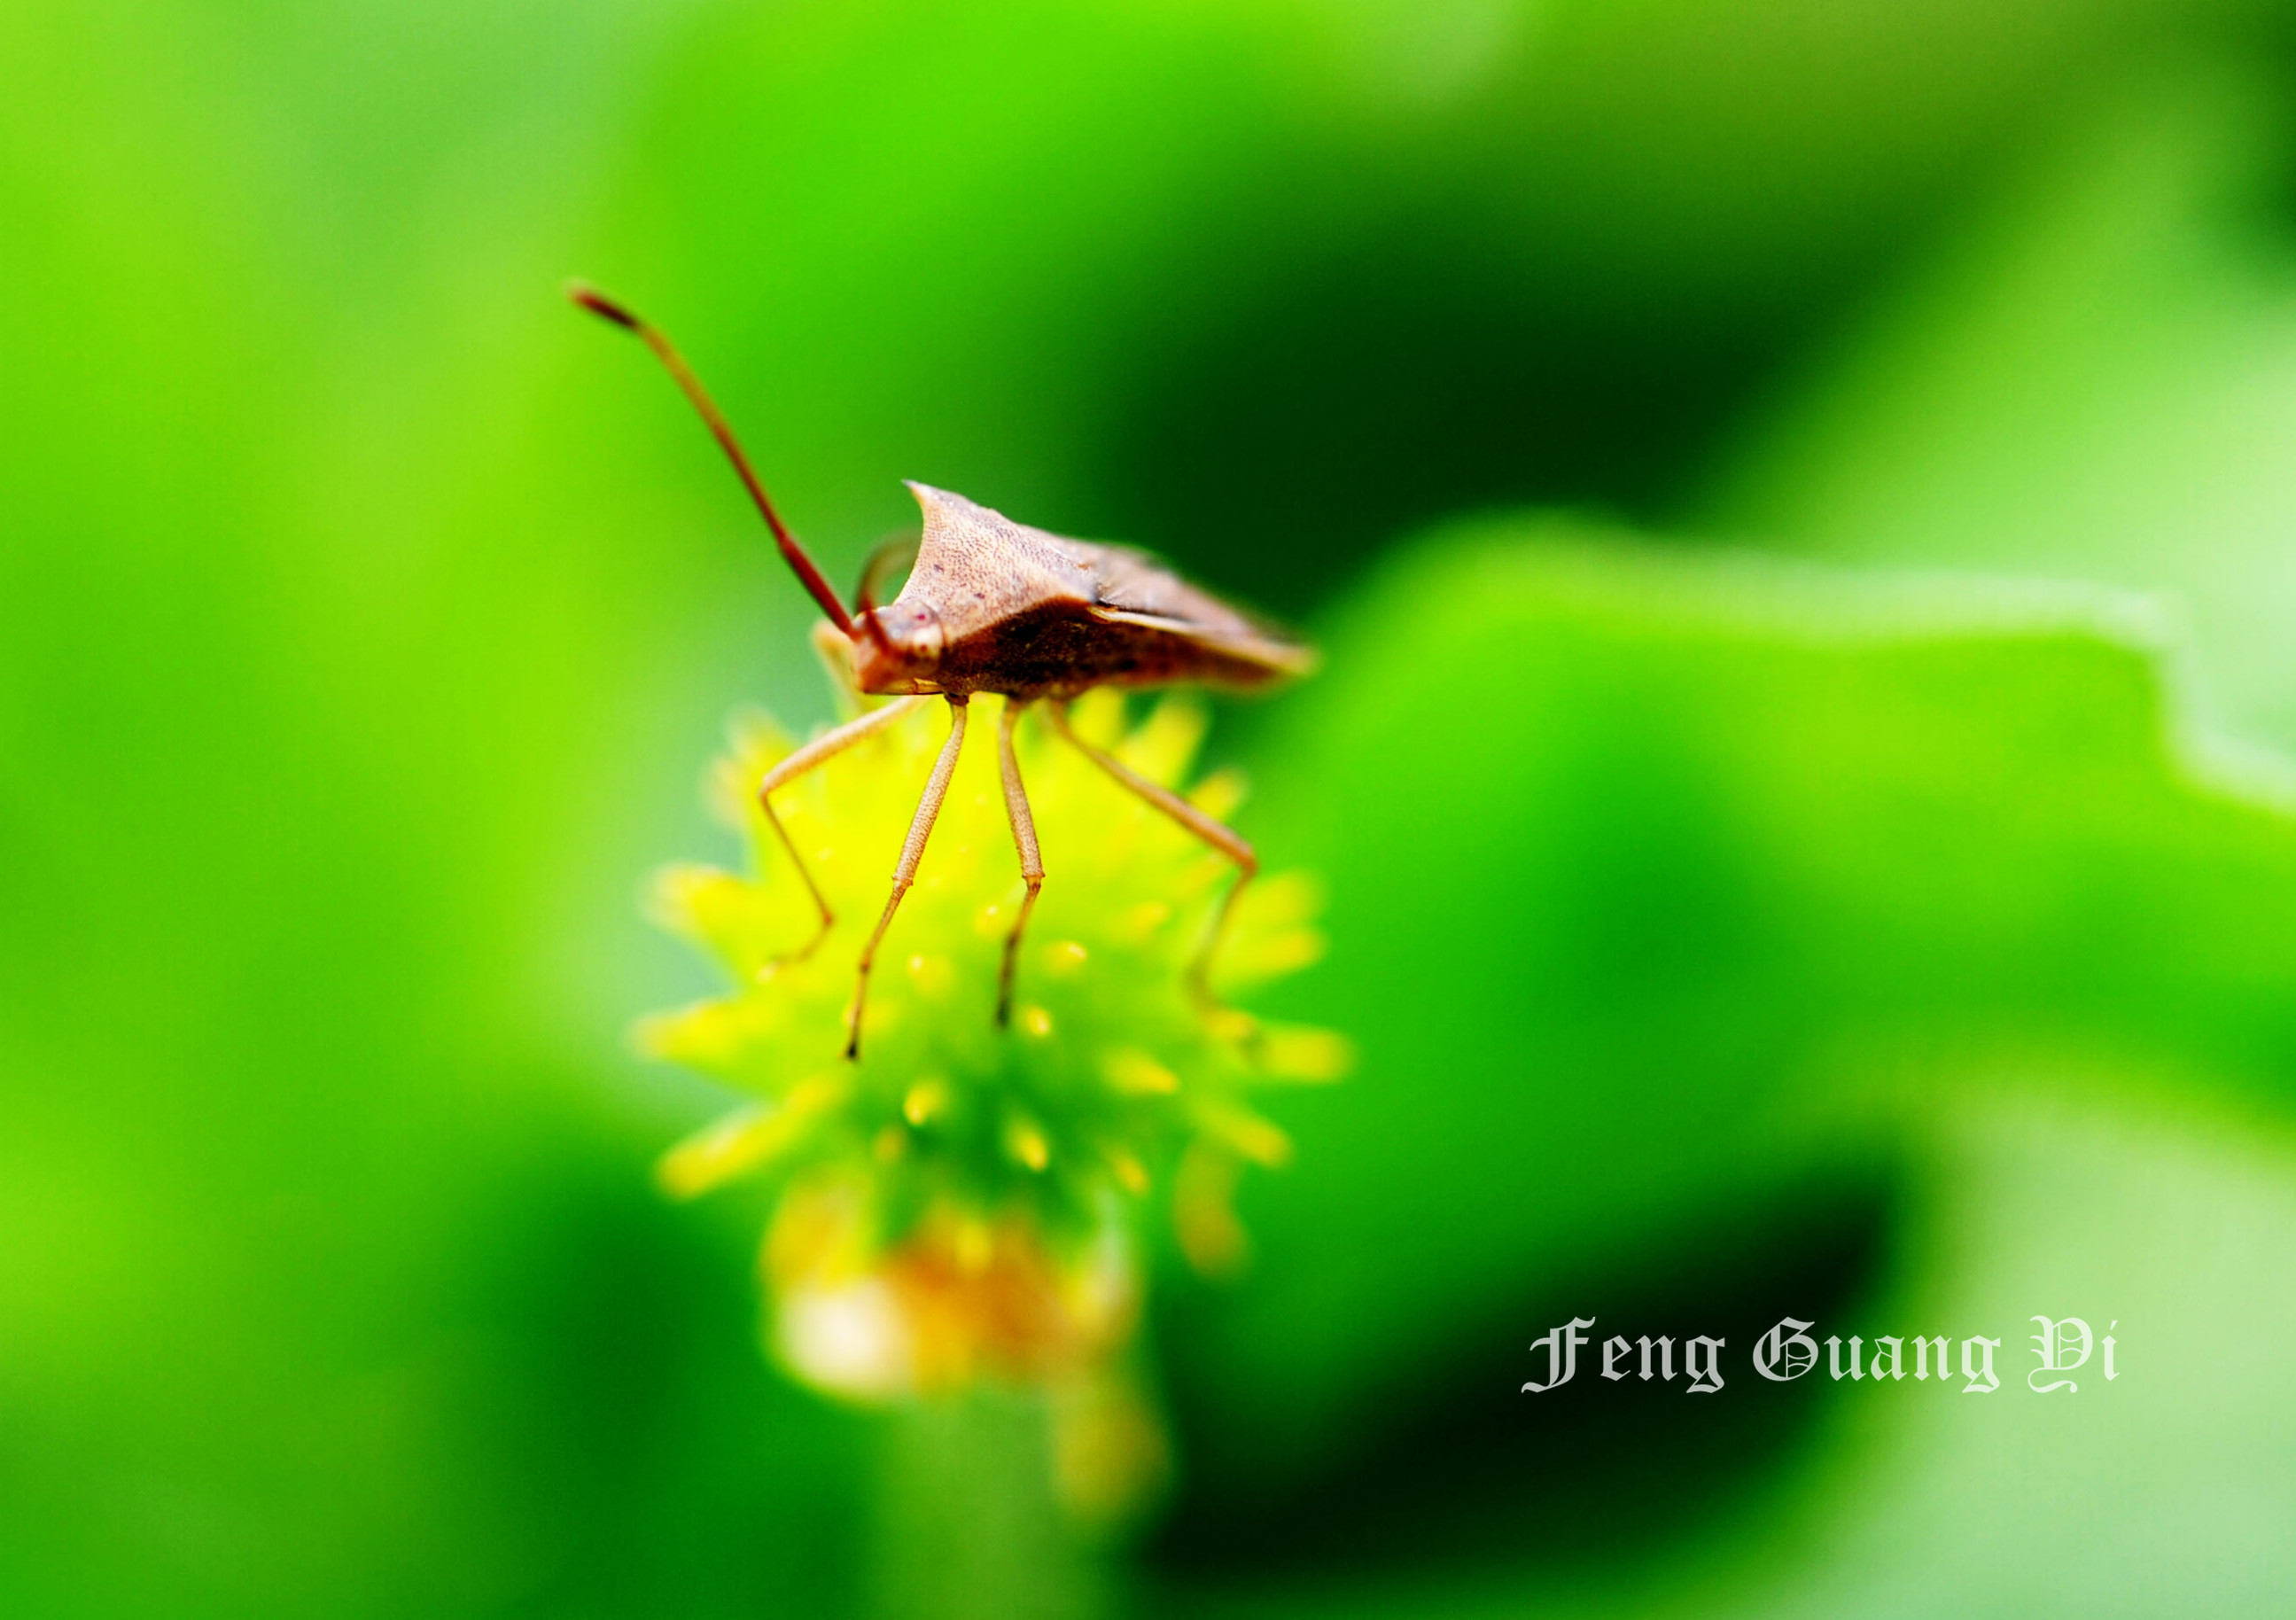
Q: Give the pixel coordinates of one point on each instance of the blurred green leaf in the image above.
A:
(2093, 377)
(2035, 1189)
(1672, 894)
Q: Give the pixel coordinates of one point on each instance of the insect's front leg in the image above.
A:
(912, 851)
(826, 746)
(1024, 840)
(1218, 834)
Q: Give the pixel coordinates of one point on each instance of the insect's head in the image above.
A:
(898, 648)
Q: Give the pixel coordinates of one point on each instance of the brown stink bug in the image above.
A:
(992, 605)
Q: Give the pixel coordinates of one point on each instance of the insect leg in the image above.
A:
(1024, 840)
(824, 747)
(912, 851)
(1218, 834)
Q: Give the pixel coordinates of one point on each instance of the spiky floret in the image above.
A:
(966, 1199)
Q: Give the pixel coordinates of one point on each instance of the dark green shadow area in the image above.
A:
(1445, 1464)
(1284, 434)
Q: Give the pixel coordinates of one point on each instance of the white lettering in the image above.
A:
(2056, 1344)
(1561, 1346)
(1705, 1369)
(1776, 1349)
(1833, 1357)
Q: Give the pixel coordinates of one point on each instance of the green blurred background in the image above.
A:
(1797, 499)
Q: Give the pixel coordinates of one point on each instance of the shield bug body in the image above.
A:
(992, 605)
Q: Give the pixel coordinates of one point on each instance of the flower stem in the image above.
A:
(968, 1525)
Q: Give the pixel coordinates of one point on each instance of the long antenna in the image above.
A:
(598, 304)
(880, 562)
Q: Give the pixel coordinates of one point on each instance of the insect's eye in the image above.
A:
(919, 635)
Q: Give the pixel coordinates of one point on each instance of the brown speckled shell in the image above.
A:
(1032, 615)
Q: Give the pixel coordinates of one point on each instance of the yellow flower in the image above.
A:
(965, 1201)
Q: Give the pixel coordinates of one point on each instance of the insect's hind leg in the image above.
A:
(1218, 834)
(912, 851)
(826, 746)
(1024, 840)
